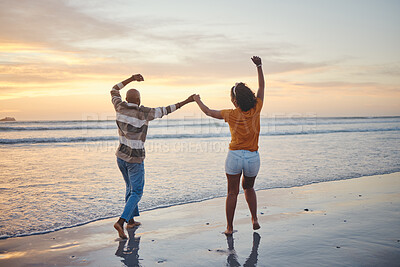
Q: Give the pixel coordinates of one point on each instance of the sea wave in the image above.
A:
(188, 124)
(183, 136)
(110, 126)
(29, 128)
(56, 140)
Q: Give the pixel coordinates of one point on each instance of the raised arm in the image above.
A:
(209, 112)
(261, 83)
(134, 77)
(116, 96)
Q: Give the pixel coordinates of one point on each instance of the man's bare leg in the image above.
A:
(132, 224)
(119, 226)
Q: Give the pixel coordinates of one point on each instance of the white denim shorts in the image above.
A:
(245, 161)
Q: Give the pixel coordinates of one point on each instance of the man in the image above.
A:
(132, 121)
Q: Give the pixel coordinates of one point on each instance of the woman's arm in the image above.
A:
(261, 82)
(209, 112)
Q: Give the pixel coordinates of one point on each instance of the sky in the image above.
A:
(59, 59)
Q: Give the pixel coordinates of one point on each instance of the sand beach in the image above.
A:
(353, 222)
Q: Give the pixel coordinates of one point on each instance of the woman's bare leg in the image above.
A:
(251, 199)
(231, 199)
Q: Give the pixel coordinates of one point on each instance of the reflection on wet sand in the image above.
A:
(129, 253)
(232, 259)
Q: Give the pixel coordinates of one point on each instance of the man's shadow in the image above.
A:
(232, 259)
(129, 253)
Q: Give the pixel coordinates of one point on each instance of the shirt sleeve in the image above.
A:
(225, 114)
(116, 96)
(156, 113)
(162, 111)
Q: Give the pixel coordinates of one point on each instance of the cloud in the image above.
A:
(51, 44)
(343, 88)
(9, 110)
(387, 70)
(51, 23)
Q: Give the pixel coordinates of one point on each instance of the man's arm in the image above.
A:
(134, 77)
(261, 83)
(156, 113)
(115, 95)
(184, 102)
(209, 112)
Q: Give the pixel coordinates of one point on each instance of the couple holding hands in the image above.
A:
(242, 159)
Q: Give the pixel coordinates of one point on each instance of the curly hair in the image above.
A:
(245, 98)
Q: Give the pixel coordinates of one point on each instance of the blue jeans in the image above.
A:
(133, 174)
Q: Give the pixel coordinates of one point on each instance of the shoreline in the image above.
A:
(185, 203)
(348, 222)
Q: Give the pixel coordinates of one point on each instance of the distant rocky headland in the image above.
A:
(8, 119)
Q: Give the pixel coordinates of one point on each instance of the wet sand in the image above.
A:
(352, 222)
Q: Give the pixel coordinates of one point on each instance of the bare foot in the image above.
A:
(132, 225)
(120, 230)
(228, 231)
(256, 225)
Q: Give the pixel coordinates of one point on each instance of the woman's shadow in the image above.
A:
(129, 253)
(232, 259)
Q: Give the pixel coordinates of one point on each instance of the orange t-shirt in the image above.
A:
(244, 127)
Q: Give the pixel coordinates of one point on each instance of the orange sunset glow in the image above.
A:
(59, 59)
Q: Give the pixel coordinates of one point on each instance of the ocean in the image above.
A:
(58, 174)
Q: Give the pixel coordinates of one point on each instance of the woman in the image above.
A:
(243, 157)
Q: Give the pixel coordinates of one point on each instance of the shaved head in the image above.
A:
(133, 96)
